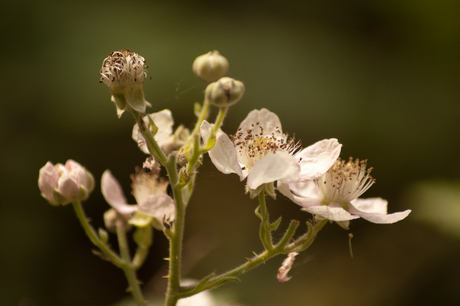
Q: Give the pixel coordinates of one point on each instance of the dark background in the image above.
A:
(382, 77)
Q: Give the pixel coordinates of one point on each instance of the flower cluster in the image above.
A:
(270, 160)
(314, 177)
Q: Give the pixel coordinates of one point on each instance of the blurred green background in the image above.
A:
(381, 76)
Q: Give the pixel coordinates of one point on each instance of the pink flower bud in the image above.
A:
(61, 184)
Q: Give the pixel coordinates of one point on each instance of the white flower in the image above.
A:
(164, 136)
(62, 184)
(334, 196)
(261, 152)
(286, 267)
(154, 204)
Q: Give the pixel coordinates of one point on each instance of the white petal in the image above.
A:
(331, 213)
(370, 205)
(113, 194)
(273, 167)
(158, 206)
(375, 210)
(223, 154)
(318, 158)
(269, 121)
(164, 122)
(306, 200)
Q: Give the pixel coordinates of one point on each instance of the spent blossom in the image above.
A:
(335, 195)
(62, 184)
(286, 267)
(262, 153)
(154, 205)
(123, 72)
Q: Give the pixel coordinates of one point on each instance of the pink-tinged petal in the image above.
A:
(375, 210)
(68, 186)
(273, 167)
(286, 267)
(312, 199)
(71, 165)
(164, 122)
(113, 194)
(158, 206)
(331, 213)
(269, 121)
(48, 181)
(223, 154)
(316, 159)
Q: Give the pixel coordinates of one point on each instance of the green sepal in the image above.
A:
(143, 237)
(153, 127)
(103, 235)
(274, 225)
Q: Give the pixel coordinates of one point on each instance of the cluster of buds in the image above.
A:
(222, 91)
(61, 184)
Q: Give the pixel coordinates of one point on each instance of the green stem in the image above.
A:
(204, 113)
(128, 267)
(257, 260)
(175, 251)
(91, 233)
(265, 235)
(152, 145)
(143, 248)
(220, 119)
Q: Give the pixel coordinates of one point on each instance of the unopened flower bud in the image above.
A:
(112, 217)
(225, 92)
(123, 72)
(210, 66)
(62, 184)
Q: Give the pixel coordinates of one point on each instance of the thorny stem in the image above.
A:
(91, 233)
(257, 260)
(177, 231)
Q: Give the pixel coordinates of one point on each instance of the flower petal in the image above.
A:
(48, 181)
(223, 154)
(308, 196)
(332, 213)
(375, 210)
(269, 121)
(164, 122)
(113, 194)
(316, 159)
(272, 167)
(158, 206)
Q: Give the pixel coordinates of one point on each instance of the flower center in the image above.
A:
(122, 68)
(252, 145)
(146, 184)
(345, 181)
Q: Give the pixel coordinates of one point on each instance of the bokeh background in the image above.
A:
(381, 76)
